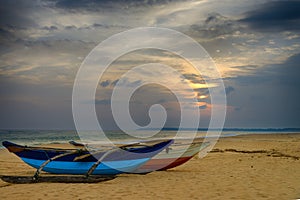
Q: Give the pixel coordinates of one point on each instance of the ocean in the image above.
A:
(37, 137)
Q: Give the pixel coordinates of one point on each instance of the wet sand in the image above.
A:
(242, 167)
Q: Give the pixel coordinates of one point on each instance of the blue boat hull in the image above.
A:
(104, 168)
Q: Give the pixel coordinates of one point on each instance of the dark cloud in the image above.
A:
(50, 28)
(194, 78)
(15, 21)
(289, 71)
(126, 82)
(215, 25)
(14, 13)
(97, 26)
(229, 89)
(72, 27)
(105, 83)
(286, 73)
(15, 16)
(96, 5)
(275, 16)
(268, 97)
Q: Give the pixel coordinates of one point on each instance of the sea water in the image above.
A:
(37, 137)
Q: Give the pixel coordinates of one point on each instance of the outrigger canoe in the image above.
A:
(80, 161)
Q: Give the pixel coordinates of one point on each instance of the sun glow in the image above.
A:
(202, 97)
(202, 85)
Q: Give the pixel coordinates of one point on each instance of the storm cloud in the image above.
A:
(270, 94)
(255, 45)
(275, 16)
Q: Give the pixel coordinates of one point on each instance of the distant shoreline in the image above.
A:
(236, 129)
(176, 129)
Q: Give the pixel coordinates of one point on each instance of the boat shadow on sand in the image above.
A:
(57, 179)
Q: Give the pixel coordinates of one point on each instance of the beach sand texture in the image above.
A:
(242, 167)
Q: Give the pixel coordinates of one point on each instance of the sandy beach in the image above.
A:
(242, 167)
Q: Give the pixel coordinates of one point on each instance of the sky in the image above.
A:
(255, 45)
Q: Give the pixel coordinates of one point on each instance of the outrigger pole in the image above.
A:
(95, 165)
(38, 171)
